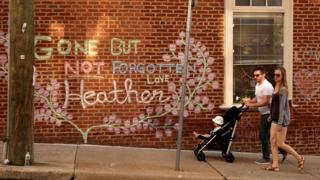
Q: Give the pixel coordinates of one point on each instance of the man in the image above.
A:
(263, 93)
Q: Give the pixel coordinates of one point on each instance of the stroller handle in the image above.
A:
(243, 107)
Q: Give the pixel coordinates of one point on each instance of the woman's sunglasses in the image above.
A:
(277, 75)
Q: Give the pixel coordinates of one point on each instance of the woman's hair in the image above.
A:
(284, 76)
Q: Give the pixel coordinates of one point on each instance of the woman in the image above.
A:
(280, 117)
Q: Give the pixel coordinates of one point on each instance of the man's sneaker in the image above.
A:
(284, 156)
(262, 161)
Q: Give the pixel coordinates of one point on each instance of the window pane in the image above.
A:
(274, 3)
(258, 2)
(242, 2)
(244, 84)
(258, 40)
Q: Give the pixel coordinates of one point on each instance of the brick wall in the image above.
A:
(152, 25)
(306, 124)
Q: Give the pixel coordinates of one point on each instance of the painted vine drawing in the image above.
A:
(158, 118)
(3, 57)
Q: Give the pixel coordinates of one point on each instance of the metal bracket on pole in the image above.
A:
(22, 57)
(24, 27)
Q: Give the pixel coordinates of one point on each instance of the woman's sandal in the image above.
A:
(301, 163)
(270, 168)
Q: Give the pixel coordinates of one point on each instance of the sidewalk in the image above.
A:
(54, 161)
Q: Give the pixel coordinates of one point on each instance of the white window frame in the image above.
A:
(230, 9)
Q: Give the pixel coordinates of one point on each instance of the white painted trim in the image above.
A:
(228, 61)
(288, 43)
(230, 8)
(260, 10)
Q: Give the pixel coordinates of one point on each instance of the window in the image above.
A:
(258, 2)
(274, 2)
(257, 40)
(254, 35)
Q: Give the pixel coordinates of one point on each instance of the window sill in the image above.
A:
(225, 107)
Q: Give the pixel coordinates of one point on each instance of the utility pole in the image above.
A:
(20, 96)
(191, 4)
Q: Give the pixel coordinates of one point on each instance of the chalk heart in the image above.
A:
(307, 83)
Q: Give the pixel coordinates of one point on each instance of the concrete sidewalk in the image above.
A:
(54, 161)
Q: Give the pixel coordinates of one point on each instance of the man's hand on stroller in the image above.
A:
(247, 103)
(195, 134)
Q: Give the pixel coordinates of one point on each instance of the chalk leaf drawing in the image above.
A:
(158, 118)
(4, 57)
(307, 83)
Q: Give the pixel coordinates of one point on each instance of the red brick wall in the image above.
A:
(306, 124)
(3, 82)
(156, 24)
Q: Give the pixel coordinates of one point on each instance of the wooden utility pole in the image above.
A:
(21, 61)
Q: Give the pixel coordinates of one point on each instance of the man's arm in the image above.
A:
(253, 100)
(254, 103)
(247, 100)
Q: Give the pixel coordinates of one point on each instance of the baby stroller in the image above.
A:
(222, 139)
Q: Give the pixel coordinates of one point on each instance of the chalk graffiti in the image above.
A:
(112, 96)
(247, 132)
(307, 80)
(64, 47)
(310, 135)
(3, 57)
(299, 136)
(83, 67)
(50, 110)
(157, 117)
(197, 83)
(118, 46)
(157, 79)
(307, 83)
(306, 55)
(120, 67)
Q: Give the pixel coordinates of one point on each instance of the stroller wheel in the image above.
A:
(229, 158)
(195, 152)
(224, 154)
(201, 156)
(196, 149)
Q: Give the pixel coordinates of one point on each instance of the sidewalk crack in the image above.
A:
(75, 163)
(304, 171)
(224, 177)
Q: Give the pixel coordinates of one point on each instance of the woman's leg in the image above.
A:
(274, 146)
(281, 137)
